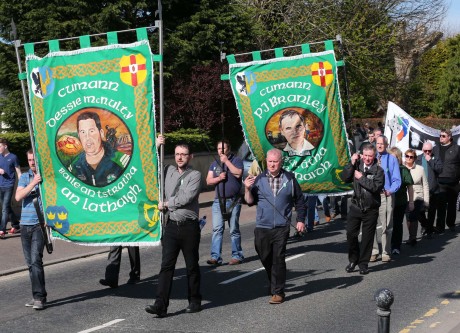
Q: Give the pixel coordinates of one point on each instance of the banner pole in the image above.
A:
(161, 92)
(17, 43)
(45, 229)
(339, 40)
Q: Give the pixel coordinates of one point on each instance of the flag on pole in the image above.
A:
(293, 104)
(93, 122)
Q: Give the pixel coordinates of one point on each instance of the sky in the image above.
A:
(452, 21)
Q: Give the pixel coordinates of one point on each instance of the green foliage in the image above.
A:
(197, 139)
(434, 90)
(448, 94)
(195, 31)
(198, 39)
(19, 144)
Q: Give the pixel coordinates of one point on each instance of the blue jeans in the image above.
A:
(218, 227)
(324, 199)
(33, 244)
(5, 201)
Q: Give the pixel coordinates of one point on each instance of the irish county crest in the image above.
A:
(133, 69)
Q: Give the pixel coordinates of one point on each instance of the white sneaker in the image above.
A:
(39, 305)
(30, 303)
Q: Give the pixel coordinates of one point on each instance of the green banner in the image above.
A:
(93, 122)
(293, 103)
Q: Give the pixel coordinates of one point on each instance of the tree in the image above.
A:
(447, 102)
(369, 28)
(37, 21)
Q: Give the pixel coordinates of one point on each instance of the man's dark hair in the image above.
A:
(30, 152)
(368, 146)
(4, 141)
(184, 145)
(89, 115)
(443, 130)
(225, 142)
(290, 114)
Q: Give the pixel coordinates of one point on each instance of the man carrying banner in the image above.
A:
(449, 153)
(182, 230)
(292, 126)
(32, 237)
(432, 167)
(390, 167)
(276, 192)
(368, 180)
(227, 204)
(99, 164)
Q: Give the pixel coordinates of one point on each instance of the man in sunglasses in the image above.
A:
(448, 179)
(432, 166)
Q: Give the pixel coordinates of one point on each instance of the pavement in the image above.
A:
(12, 258)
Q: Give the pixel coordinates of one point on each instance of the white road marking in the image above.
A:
(257, 270)
(110, 323)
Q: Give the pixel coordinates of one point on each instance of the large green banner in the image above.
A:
(93, 122)
(293, 103)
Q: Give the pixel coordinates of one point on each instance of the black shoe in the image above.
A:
(106, 283)
(452, 229)
(193, 308)
(438, 231)
(350, 267)
(363, 270)
(429, 235)
(411, 242)
(133, 280)
(156, 310)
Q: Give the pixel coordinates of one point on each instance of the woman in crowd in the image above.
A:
(421, 195)
(401, 205)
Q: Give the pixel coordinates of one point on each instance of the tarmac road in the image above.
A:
(321, 296)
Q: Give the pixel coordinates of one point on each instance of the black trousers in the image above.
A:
(447, 203)
(432, 208)
(270, 245)
(398, 218)
(176, 238)
(113, 268)
(367, 221)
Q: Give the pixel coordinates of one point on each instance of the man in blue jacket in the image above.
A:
(276, 192)
(390, 166)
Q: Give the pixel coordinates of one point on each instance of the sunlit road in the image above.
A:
(321, 296)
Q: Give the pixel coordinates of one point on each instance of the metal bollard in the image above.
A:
(384, 299)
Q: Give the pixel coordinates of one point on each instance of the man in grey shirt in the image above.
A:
(182, 230)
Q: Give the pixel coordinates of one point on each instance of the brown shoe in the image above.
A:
(276, 299)
(373, 257)
(328, 218)
(386, 258)
(234, 261)
(213, 262)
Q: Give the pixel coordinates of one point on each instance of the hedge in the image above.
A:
(19, 144)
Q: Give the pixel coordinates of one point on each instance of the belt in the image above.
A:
(187, 221)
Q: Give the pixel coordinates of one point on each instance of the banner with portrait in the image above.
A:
(404, 132)
(293, 104)
(93, 123)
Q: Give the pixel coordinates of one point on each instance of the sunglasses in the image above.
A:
(443, 136)
(409, 156)
(427, 151)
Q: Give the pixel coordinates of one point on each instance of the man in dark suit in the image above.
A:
(368, 181)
